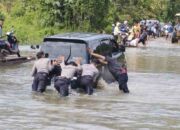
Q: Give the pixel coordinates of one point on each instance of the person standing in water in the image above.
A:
(117, 69)
(88, 77)
(40, 72)
(63, 81)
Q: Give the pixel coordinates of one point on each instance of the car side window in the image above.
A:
(104, 47)
(106, 41)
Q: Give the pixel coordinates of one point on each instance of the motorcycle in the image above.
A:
(123, 37)
(10, 46)
(124, 34)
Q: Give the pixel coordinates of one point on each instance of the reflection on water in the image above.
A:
(153, 103)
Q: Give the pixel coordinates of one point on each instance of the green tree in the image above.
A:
(34, 19)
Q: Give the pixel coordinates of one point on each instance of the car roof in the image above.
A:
(78, 36)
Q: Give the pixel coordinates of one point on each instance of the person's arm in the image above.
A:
(102, 61)
(96, 55)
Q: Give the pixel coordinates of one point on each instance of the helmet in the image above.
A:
(118, 24)
(125, 22)
(8, 33)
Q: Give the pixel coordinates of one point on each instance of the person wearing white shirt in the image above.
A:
(40, 72)
(89, 74)
(63, 81)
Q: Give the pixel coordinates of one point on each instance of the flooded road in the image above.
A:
(153, 102)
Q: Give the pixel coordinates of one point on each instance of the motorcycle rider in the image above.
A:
(13, 43)
(124, 27)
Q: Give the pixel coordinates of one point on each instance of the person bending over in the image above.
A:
(62, 82)
(88, 77)
(117, 69)
(40, 72)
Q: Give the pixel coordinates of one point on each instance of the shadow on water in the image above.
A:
(153, 103)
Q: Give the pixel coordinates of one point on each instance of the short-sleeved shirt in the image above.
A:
(89, 69)
(116, 30)
(41, 65)
(68, 71)
(170, 29)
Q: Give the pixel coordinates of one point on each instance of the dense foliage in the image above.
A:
(34, 19)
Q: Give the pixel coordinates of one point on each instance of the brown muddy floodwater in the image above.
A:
(153, 103)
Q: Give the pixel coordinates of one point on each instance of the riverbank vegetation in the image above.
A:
(34, 19)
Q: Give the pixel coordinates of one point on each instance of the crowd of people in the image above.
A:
(123, 34)
(168, 30)
(74, 75)
(140, 32)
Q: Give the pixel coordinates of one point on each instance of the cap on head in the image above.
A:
(40, 54)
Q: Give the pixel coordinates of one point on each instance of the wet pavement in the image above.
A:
(153, 103)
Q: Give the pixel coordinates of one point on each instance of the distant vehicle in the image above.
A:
(74, 45)
(9, 49)
(176, 32)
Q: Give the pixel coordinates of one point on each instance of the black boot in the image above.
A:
(126, 90)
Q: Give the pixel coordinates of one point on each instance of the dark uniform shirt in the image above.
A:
(143, 36)
(115, 67)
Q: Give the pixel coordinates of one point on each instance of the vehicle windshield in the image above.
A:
(55, 49)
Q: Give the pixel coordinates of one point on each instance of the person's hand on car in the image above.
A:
(90, 50)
